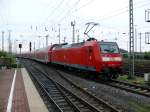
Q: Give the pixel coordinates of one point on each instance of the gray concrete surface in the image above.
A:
(36, 104)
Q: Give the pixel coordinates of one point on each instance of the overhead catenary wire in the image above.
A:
(123, 12)
(74, 5)
(3, 16)
(68, 11)
(53, 11)
(88, 3)
(84, 5)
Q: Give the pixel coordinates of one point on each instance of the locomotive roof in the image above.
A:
(102, 42)
(79, 44)
(44, 49)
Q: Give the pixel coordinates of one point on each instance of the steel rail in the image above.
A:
(92, 108)
(42, 89)
(95, 103)
(100, 101)
(137, 89)
(84, 106)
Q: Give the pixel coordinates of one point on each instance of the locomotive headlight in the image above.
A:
(106, 58)
(111, 59)
(117, 59)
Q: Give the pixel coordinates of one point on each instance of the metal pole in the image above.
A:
(34, 46)
(64, 39)
(59, 33)
(15, 46)
(2, 40)
(131, 41)
(20, 50)
(135, 38)
(46, 40)
(73, 31)
(73, 40)
(39, 41)
(78, 36)
(9, 41)
(140, 42)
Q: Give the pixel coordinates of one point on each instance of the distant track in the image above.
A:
(137, 89)
(141, 67)
(64, 99)
(133, 88)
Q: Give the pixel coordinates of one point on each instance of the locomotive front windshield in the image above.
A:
(109, 48)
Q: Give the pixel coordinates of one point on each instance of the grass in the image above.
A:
(139, 80)
(140, 107)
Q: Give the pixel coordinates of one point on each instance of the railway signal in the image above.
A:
(30, 46)
(20, 46)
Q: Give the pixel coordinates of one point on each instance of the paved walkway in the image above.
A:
(6, 77)
(35, 102)
(20, 101)
(25, 97)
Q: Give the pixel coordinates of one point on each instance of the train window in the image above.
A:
(109, 48)
(77, 44)
(66, 46)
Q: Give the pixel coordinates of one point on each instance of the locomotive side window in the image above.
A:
(109, 48)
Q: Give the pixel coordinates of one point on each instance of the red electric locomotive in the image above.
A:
(101, 57)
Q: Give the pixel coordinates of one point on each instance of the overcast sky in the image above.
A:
(112, 16)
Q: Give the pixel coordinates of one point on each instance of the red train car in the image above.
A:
(101, 57)
(43, 54)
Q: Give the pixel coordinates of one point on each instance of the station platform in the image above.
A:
(18, 93)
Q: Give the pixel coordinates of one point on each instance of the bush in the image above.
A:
(4, 54)
(145, 55)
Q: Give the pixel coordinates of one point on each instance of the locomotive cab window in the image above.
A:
(109, 48)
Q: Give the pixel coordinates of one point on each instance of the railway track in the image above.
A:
(137, 89)
(64, 99)
(138, 73)
(141, 67)
(133, 88)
